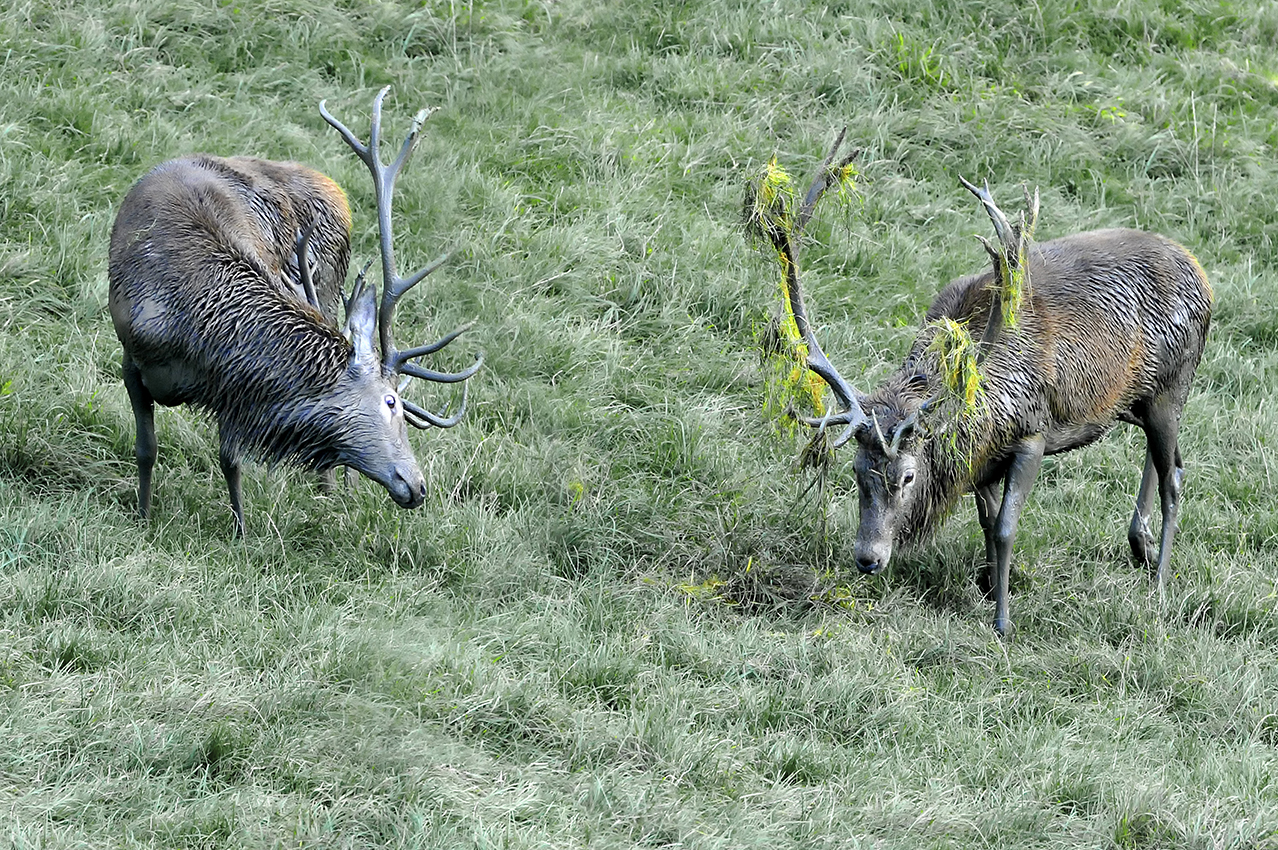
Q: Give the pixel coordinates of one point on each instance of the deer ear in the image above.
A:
(361, 321)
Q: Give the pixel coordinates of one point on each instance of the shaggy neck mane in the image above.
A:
(272, 386)
(945, 442)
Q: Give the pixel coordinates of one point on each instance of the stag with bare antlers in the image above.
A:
(1075, 334)
(225, 276)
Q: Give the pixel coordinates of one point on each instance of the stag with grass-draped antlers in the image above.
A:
(225, 276)
(1073, 334)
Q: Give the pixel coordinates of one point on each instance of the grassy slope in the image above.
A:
(543, 656)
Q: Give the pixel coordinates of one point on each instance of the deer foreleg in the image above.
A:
(1022, 470)
(231, 470)
(145, 447)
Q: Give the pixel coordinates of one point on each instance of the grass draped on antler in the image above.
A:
(1011, 258)
(772, 218)
(769, 205)
(1011, 274)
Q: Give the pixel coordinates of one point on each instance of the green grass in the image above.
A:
(610, 625)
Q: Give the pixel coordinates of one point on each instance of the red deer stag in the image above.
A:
(1109, 327)
(219, 303)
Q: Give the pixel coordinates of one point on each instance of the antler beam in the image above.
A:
(787, 243)
(395, 361)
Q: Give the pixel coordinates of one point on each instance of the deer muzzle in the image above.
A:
(406, 485)
(872, 556)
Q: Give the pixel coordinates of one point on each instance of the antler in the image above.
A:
(395, 361)
(302, 256)
(785, 238)
(1010, 263)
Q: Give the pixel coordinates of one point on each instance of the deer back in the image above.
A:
(1112, 317)
(202, 293)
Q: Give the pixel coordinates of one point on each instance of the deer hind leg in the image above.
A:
(1162, 424)
(145, 447)
(1138, 533)
(987, 503)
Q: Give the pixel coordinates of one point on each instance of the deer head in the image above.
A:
(892, 465)
(379, 371)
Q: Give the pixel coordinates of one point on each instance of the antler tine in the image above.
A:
(359, 283)
(355, 144)
(402, 285)
(1007, 237)
(990, 249)
(302, 251)
(430, 348)
(348, 301)
(842, 439)
(410, 141)
(822, 181)
(420, 417)
(1031, 204)
(415, 371)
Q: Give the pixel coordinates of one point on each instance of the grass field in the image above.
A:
(611, 624)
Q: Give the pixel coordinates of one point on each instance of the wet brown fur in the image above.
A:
(1113, 320)
(206, 299)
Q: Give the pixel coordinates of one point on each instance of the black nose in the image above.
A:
(867, 566)
(407, 492)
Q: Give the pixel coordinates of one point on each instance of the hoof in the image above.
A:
(1142, 545)
(1003, 625)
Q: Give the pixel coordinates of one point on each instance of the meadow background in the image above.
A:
(612, 624)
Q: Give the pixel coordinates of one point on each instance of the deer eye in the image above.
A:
(391, 401)
(907, 479)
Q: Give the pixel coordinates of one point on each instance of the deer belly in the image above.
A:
(1063, 438)
(168, 383)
